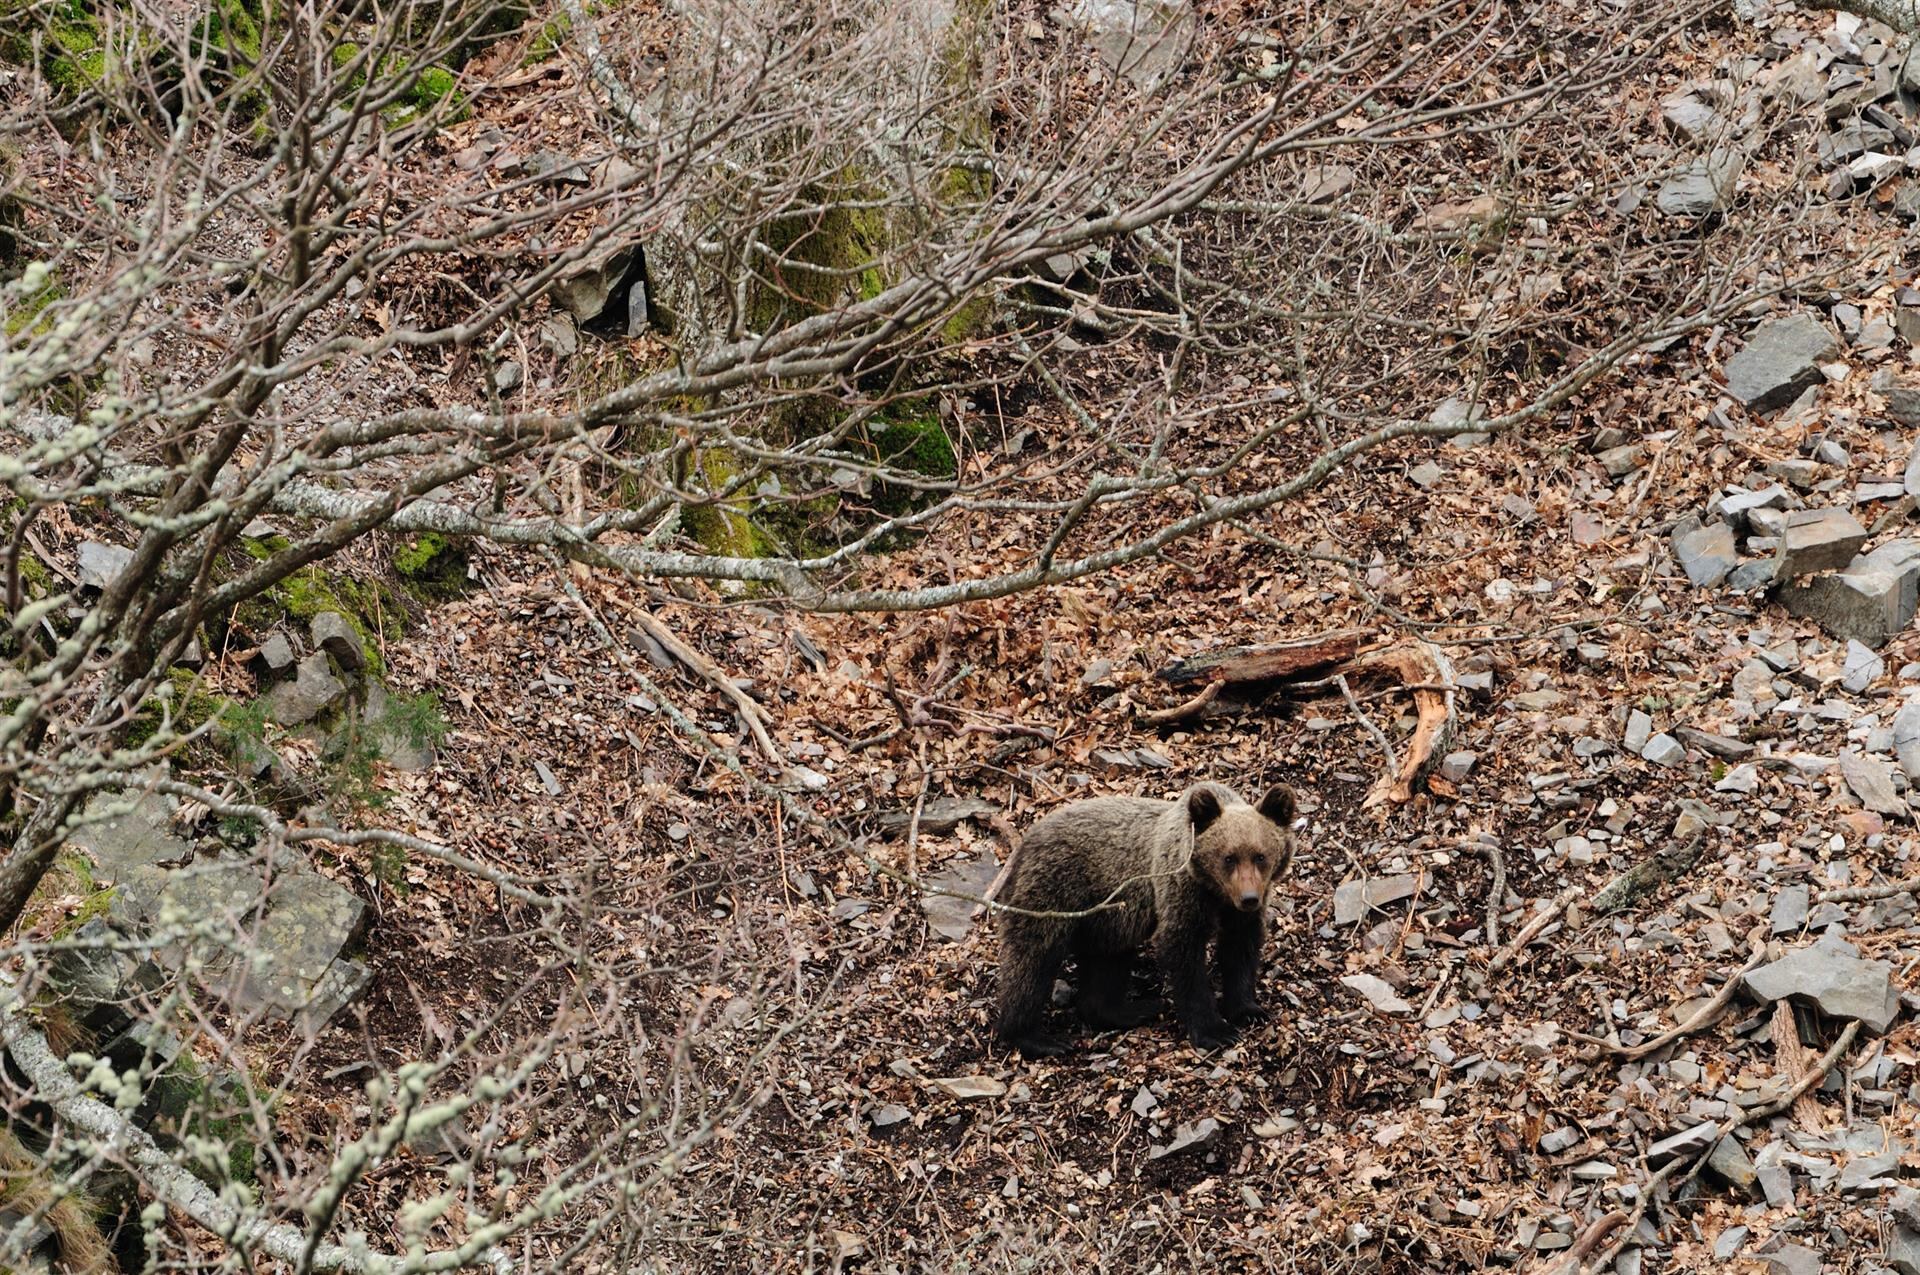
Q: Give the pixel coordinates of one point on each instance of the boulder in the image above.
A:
(1831, 976)
(1869, 601)
(1779, 361)
(1818, 540)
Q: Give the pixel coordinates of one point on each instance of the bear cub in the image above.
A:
(1186, 873)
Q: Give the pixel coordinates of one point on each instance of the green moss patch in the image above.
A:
(432, 566)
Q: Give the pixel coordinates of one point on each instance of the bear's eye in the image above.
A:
(1259, 860)
(1232, 861)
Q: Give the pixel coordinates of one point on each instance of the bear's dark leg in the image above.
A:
(1105, 980)
(1239, 957)
(1183, 962)
(1030, 953)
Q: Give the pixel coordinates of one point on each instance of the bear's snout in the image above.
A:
(1249, 902)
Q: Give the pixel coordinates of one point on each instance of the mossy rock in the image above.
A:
(724, 525)
(910, 438)
(183, 695)
(433, 566)
(377, 610)
(427, 85)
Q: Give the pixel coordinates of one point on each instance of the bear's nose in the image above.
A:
(1250, 902)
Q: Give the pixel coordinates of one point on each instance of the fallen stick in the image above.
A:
(1182, 711)
(1419, 666)
(1568, 1262)
(1863, 893)
(1263, 663)
(1702, 1018)
(1731, 1125)
(750, 712)
(1795, 1061)
(1531, 930)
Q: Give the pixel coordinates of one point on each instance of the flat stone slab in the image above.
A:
(953, 919)
(1706, 554)
(1818, 540)
(309, 920)
(1830, 976)
(1870, 601)
(312, 691)
(100, 563)
(1353, 900)
(132, 839)
(1779, 361)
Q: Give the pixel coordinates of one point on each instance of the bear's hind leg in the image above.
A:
(1106, 978)
(1030, 954)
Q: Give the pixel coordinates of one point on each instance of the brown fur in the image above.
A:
(1186, 873)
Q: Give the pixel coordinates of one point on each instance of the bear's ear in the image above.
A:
(1278, 805)
(1203, 807)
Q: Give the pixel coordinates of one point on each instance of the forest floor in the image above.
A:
(1474, 1109)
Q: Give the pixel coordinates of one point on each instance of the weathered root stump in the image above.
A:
(1240, 676)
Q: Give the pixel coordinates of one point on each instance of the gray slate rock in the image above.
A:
(1691, 120)
(1187, 1137)
(1870, 601)
(335, 634)
(1872, 782)
(1738, 505)
(137, 837)
(1818, 540)
(1906, 738)
(1903, 404)
(291, 953)
(1756, 574)
(1903, 1250)
(1686, 1143)
(1864, 667)
(1780, 360)
(952, 919)
(1704, 186)
(1830, 975)
(400, 745)
(559, 336)
(1729, 1162)
(1620, 461)
(313, 690)
(939, 814)
(1639, 731)
(1790, 909)
(1664, 750)
(1706, 554)
(1794, 1259)
(277, 653)
(1718, 745)
(100, 563)
(1354, 899)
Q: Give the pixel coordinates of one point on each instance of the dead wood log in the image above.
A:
(1665, 864)
(1421, 668)
(1266, 663)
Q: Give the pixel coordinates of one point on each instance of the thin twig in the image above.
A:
(1379, 736)
(1531, 930)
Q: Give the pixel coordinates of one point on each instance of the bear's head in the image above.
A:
(1238, 849)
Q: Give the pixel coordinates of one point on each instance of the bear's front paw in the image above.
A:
(1038, 1045)
(1215, 1034)
(1250, 1012)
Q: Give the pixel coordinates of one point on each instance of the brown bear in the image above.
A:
(1183, 873)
